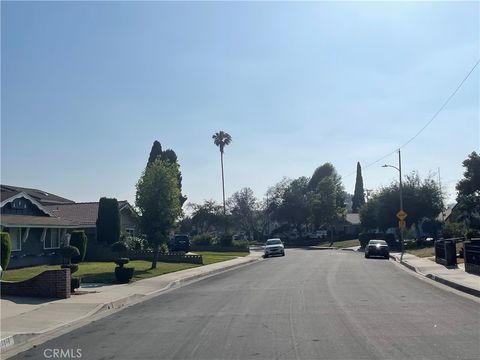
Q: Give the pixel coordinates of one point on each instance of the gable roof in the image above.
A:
(43, 197)
(84, 213)
(29, 198)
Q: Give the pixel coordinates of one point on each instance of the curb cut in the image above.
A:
(439, 279)
(11, 342)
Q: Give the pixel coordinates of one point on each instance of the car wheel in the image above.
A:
(367, 256)
(265, 256)
(387, 257)
(283, 254)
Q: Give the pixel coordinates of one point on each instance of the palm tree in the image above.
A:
(221, 139)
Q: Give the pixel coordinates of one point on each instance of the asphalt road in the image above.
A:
(306, 305)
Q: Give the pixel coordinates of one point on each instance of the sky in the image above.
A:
(86, 87)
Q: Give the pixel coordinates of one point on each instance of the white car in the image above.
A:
(274, 247)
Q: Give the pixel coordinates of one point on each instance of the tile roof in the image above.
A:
(43, 197)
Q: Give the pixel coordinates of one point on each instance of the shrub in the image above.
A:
(68, 252)
(163, 249)
(6, 249)
(472, 233)
(78, 238)
(203, 239)
(239, 243)
(73, 267)
(122, 261)
(123, 275)
(453, 230)
(225, 239)
(118, 247)
(74, 284)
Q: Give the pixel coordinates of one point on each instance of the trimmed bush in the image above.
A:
(163, 249)
(203, 239)
(108, 221)
(123, 275)
(78, 238)
(122, 261)
(68, 252)
(73, 267)
(6, 249)
(74, 284)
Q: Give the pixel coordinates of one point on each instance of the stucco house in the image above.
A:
(39, 223)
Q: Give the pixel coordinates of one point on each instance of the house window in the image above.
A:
(16, 238)
(52, 240)
(130, 231)
(19, 204)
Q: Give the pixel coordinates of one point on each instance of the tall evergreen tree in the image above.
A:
(358, 198)
(155, 152)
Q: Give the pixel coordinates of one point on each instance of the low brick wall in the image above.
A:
(181, 258)
(219, 248)
(48, 284)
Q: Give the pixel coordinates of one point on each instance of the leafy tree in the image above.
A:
(222, 139)
(207, 216)
(322, 203)
(358, 198)
(421, 199)
(468, 198)
(108, 221)
(294, 206)
(327, 170)
(243, 208)
(157, 198)
(170, 156)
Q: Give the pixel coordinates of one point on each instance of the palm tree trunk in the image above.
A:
(223, 184)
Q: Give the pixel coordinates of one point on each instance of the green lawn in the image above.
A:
(210, 257)
(346, 243)
(430, 251)
(103, 272)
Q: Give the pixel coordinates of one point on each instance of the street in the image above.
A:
(307, 305)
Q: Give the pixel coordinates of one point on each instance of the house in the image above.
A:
(350, 225)
(39, 223)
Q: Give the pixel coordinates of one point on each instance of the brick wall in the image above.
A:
(48, 284)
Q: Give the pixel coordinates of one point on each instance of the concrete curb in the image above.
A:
(9, 343)
(321, 248)
(439, 279)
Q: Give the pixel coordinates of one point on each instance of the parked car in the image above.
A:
(274, 247)
(377, 248)
(179, 242)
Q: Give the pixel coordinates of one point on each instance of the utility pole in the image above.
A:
(401, 198)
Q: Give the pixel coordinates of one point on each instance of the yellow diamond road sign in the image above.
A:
(401, 215)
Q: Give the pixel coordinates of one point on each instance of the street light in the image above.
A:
(399, 169)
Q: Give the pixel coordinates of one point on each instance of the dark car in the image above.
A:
(377, 248)
(179, 242)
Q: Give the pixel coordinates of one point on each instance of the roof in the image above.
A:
(353, 218)
(43, 197)
(84, 213)
(35, 221)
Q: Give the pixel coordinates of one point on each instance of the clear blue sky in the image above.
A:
(87, 87)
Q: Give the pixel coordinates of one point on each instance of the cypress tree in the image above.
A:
(155, 152)
(108, 221)
(358, 198)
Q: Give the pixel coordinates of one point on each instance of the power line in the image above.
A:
(445, 103)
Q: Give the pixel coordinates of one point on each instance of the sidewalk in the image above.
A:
(23, 318)
(456, 277)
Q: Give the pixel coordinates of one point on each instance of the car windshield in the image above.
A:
(274, 242)
(377, 242)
